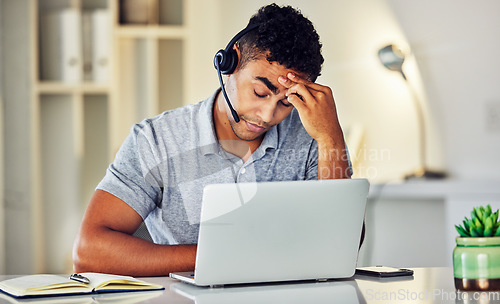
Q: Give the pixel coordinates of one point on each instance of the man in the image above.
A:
(288, 130)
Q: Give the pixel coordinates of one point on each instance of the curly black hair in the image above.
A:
(284, 36)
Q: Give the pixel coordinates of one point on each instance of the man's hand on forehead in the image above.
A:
(315, 105)
(318, 114)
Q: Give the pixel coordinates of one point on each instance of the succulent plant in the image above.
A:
(483, 223)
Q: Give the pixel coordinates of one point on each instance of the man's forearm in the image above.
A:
(333, 160)
(119, 253)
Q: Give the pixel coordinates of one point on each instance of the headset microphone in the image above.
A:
(235, 115)
(226, 61)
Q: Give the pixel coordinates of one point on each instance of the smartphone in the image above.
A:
(384, 271)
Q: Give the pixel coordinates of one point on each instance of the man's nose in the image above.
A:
(266, 111)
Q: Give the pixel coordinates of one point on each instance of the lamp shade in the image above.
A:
(392, 58)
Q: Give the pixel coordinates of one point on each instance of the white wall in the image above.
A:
(456, 44)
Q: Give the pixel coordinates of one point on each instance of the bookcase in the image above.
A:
(150, 38)
(98, 67)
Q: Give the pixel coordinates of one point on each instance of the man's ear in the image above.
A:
(238, 54)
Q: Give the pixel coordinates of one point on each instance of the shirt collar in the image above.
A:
(208, 137)
(270, 139)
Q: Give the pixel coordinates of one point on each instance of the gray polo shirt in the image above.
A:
(166, 161)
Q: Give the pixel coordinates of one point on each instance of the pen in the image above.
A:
(79, 278)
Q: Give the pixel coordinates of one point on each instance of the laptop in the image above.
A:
(278, 231)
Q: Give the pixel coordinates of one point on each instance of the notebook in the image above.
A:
(278, 231)
(48, 285)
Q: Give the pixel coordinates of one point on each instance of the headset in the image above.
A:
(225, 62)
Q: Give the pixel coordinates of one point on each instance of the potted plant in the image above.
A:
(476, 258)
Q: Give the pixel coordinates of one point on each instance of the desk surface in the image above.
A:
(428, 285)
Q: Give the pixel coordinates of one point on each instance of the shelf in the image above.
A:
(54, 87)
(93, 77)
(151, 31)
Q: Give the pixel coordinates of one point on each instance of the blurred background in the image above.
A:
(77, 74)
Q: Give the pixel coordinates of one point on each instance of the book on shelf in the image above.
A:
(87, 45)
(60, 46)
(101, 45)
(45, 285)
(96, 37)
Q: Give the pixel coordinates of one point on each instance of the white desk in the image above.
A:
(429, 285)
(403, 220)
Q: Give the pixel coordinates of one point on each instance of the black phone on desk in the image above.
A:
(384, 271)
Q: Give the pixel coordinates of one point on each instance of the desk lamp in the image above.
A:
(393, 58)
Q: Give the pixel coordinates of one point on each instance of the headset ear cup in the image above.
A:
(232, 62)
(227, 61)
(218, 58)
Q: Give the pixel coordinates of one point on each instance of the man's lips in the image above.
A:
(254, 128)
